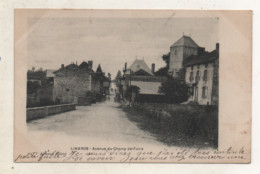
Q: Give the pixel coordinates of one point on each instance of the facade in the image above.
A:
(72, 82)
(201, 74)
(179, 51)
(141, 76)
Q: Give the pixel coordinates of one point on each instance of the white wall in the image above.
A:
(201, 83)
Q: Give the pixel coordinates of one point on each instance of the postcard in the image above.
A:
(132, 86)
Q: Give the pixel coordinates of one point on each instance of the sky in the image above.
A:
(111, 42)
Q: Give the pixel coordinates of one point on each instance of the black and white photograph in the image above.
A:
(120, 86)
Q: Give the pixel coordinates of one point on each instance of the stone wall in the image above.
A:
(67, 87)
(38, 112)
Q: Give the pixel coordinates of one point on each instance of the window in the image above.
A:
(197, 76)
(205, 75)
(191, 67)
(198, 66)
(206, 65)
(191, 76)
(204, 92)
(175, 52)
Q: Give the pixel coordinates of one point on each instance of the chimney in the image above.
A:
(125, 66)
(217, 47)
(201, 50)
(90, 64)
(153, 67)
(62, 66)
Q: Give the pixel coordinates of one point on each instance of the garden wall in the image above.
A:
(38, 112)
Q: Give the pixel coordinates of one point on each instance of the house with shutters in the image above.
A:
(201, 74)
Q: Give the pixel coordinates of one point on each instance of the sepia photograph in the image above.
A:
(124, 86)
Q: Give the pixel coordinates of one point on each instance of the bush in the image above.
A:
(175, 90)
(192, 123)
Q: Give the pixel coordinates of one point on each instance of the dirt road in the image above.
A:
(101, 122)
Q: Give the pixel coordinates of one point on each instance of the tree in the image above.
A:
(117, 78)
(166, 59)
(131, 93)
(175, 90)
(162, 72)
(109, 75)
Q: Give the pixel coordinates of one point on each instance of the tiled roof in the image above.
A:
(70, 66)
(207, 57)
(138, 65)
(185, 41)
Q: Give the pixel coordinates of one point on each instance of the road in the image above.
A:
(101, 122)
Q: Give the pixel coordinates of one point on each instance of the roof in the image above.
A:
(50, 73)
(70, 66)
(185, 41)
(85, 66)
(147, 78)
(99, 70)
(141, 72)
(138, 65)
(207, 57)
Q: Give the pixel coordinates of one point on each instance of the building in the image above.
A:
(72, 83)
(179, 51)
(141, 76)
(139, 67)
(201, 74)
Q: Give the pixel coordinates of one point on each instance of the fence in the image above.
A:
(38, 112)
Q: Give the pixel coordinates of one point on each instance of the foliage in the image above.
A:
(175, 90)
(131, 89)
(183, 125)
(117, 78)
(166, 59)
(32, 87)
(109, 76)
(162, 71)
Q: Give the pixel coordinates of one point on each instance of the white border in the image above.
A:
(7, 81)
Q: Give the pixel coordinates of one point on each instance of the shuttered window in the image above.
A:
(204, 92)
(205, 75)
(191, 76)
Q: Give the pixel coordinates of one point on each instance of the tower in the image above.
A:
(179, 51)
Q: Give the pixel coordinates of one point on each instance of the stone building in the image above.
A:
(201, 74)
(73, 82)
(179, 51)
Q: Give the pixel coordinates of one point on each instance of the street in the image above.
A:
(101, 122)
